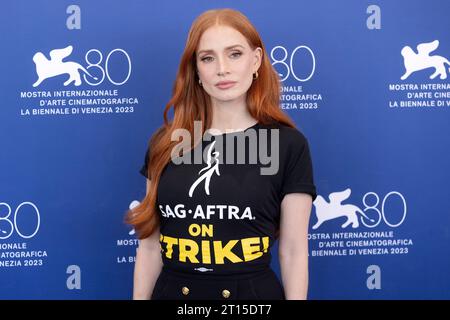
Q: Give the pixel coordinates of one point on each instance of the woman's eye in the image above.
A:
(236, 54)
(206, 59)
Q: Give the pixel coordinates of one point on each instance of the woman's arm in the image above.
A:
(148, 264)
(293, 245)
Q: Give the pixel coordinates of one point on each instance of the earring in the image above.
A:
(255, 75)
(200, 83)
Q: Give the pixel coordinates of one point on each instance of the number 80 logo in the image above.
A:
(290, 67)
(13, 223)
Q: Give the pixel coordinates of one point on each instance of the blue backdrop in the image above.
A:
(70, 151)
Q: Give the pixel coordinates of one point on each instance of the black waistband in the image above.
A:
(217, 276)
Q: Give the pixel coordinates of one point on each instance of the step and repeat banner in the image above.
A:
(84, 85)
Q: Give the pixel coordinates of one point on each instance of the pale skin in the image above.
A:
(293, 245)
(148, 264)
(223, 54)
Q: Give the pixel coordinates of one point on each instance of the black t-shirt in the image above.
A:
(222, 217)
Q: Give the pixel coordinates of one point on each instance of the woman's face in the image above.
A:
(226, 63)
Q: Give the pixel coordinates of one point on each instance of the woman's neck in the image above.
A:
(231, 116)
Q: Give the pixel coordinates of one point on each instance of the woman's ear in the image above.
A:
(258, 58)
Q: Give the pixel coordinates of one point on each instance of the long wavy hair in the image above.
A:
(191, 103)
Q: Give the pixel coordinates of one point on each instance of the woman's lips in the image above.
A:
(225, 84)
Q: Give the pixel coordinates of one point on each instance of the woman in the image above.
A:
(206, 228)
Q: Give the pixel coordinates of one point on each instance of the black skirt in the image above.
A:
(261, 285)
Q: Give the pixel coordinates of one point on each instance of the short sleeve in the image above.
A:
(298, 171)
(144, 169)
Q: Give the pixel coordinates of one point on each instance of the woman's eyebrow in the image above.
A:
(227, 48)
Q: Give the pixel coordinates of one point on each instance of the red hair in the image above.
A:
(191, 103)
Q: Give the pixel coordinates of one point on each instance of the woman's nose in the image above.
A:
(222, 67)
